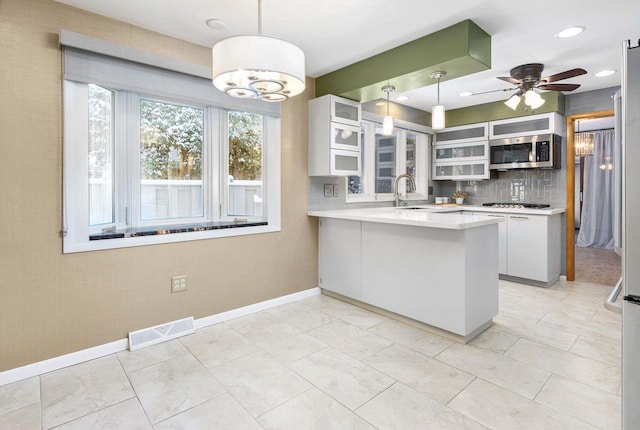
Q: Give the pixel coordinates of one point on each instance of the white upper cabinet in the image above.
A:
(462, 134)
(344, 111)
(526, 126)
(334, 137)
(461, 153)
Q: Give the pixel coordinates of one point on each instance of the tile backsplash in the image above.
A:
(531, 186)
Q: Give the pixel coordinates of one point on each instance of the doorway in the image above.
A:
(588, 263)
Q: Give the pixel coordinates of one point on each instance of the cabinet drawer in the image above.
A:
(345, 163)
(461, 171)
(461, 152)
(462, 134)
(525, 126)
(345, 111)
(345, 137)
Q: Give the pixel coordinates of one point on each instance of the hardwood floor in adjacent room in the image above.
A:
(598, 266)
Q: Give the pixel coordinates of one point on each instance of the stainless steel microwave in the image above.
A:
(529, 152)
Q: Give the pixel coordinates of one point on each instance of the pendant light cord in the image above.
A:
(260, 17)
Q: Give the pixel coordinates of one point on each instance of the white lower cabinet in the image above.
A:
(529, 247)
(502, 240)
(339, 257)
(533, 247)
(442, 277)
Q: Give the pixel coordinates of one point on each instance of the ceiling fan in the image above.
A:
(527, 77)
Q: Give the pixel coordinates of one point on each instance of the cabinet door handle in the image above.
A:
(519, 217)
(497, 216)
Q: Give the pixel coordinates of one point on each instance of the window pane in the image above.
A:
(171, 139)
(245, 164)
(411, 155)
(100, 158)
(385, 163)
(356, 183)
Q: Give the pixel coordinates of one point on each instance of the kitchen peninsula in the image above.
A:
(437, 268)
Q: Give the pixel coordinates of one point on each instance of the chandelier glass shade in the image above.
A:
(583, 143)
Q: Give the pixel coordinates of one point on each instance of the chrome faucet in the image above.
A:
(412, 183)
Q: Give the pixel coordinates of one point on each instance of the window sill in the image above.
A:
(156, 235)
(171, 229)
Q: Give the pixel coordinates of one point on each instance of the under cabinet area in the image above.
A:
(335, 137)
(529, 247)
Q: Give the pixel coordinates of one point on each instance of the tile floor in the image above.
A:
(550, 361)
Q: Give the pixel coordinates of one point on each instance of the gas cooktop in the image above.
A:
(517, 205)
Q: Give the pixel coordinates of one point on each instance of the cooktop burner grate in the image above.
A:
(517, 205)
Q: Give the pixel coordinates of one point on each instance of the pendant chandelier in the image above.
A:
(258, 66)
(583, 142)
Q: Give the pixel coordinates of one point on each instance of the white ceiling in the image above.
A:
(336, 33)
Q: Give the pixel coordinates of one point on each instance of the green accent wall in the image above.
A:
(461, 49)
(553, 102)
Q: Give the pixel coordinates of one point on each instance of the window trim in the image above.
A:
(370, 122)
(76, 230)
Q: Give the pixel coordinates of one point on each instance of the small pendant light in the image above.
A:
(437, 112)
(387, 123)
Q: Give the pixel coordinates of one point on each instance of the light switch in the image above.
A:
(336, 190)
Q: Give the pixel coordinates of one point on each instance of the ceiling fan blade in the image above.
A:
(564, 75)
(510, 80)
(558, 87)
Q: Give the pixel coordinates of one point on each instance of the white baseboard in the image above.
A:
(45, 366)
(246, 310)
(56, 363)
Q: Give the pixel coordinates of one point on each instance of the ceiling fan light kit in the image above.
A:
(527, 77)
(258, 66)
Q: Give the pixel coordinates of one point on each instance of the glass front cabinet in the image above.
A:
(461, 153)
(334, 136)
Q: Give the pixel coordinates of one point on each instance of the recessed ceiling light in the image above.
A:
(570, 32)
(216, 24)
(466, 94)
(402, 98)
(604, 73)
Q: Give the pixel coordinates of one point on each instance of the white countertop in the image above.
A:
(434, 216)
(426, 217)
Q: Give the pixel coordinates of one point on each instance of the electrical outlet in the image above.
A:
(178, 283)
(336, 190)
(328, 190)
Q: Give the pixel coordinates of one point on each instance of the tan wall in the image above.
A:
(52, 304)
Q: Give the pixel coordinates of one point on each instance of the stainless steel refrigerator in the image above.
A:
(631, 236)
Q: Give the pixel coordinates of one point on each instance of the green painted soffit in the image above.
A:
(459, 50)
(553, 102)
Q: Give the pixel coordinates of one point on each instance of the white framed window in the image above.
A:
(383, 158)
(153, 156)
